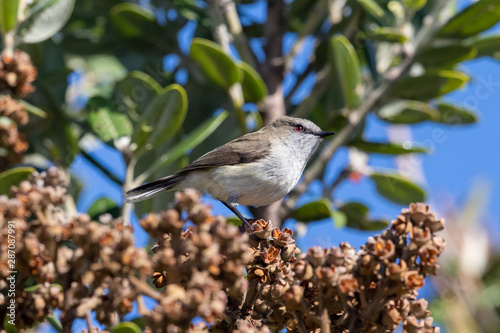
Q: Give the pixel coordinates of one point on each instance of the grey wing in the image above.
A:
(245, 149)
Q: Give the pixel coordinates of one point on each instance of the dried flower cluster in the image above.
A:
(257, 281)
(71, 263)
(16, 76)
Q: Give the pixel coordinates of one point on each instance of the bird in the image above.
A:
(256, 169)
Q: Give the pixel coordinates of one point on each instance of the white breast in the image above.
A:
(257, 183)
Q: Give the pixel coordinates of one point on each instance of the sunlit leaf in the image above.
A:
(384, 34)
(14, 177)
(8, 14)
(397, 188)
(477, 17)
(347, 67)
(373, 8)
(44, 19)
(415, 4)
(339, 218)
(214, 62)
(30, 108)
(125, 327)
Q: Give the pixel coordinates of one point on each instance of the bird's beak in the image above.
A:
(324, 134)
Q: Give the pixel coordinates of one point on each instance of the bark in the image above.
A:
(272, 71)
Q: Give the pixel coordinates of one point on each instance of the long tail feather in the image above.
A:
(152, 189)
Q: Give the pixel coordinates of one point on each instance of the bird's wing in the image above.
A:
(245, 149)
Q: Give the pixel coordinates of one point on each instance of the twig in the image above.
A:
(240, 40)
(222, 35)
(95, 163)
(250, 297)
(300, 322)
(144, 288)
(129, 183)
(89, 322)
(323, 306)
(344, 174)
(314, 19)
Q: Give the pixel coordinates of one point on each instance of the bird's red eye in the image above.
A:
(299, 128)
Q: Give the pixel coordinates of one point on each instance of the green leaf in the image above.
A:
(132, 20)
(134, 92)
(45, 18)
(162, 118)
(313, 211)
(14, 177)
(55, 322)
(454, 115)
(429, 85)
(346, 64)
(339, 218)
(254, 88)
(406, 112)
(214, 62)
(373, 8)
(191, 140)
(9, 328)
(375, 225)
(446, 55)
(487, 46)
(478, 17)
(107, 123)
(391, 35)
(234, 221)
(125, 327)
(30, 108)
(397, 188)
(34, 287)
(387, 148)
(356, 214)
(415, 4)
(8, 14)
(101, 206)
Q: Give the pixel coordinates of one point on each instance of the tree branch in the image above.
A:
(240, 40)
(95, 163)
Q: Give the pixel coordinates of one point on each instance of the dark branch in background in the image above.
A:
(95, 163)
(272, 72)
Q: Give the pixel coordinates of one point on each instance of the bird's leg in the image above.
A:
(234, 210)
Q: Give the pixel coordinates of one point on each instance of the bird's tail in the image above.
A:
(152, 189)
